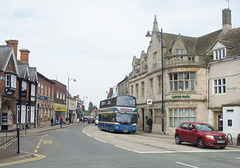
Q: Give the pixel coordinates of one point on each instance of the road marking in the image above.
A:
(37, 157)
(126, 149)
(184, 164)
(47, 142)
(100, 140)
(8, 143)
(237, 158)
(39, 143)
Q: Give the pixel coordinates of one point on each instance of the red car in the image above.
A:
(201, 134)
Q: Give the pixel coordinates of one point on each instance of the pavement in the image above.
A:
(4, 160)
(40, 131)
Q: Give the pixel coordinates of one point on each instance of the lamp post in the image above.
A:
(69, 95)
(162, 108)
(84, 103)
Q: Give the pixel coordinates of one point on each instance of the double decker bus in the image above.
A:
(118, 114)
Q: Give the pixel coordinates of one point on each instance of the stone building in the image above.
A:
(181, 93)
(224, 79)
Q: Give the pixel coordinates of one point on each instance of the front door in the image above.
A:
(220, 122)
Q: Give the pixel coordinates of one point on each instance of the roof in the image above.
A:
(193, 45)
(6, 53)
(33, 74)
(23, 69)
(231, 39)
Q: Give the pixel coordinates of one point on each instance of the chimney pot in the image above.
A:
(24, 55)
(14, 43)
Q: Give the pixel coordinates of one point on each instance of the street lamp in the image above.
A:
(162, 109)
(68, 95)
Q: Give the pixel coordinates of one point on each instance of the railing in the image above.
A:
(9, 142)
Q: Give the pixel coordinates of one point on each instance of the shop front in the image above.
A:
(60, 112)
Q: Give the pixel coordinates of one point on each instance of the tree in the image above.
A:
(90, 106)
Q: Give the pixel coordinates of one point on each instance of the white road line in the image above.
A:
(237, 157)
(100, 140)
(88, 135)
(187, 165)
(126, 149)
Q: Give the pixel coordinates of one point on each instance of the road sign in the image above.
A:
(149, 101)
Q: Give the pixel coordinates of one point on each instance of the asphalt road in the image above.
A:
(86, 146)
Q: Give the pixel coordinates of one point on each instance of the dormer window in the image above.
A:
(219, 54)
(180, 52)
(11, 81)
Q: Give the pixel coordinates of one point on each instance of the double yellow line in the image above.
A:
(8, 143)
(36, 157)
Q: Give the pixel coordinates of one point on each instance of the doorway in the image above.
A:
(220, 122)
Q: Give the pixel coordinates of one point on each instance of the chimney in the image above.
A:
(24, 55)
(14, 43)
(226, 20)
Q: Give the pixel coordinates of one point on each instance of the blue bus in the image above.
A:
(118, 114)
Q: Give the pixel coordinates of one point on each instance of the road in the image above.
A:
(86, 146)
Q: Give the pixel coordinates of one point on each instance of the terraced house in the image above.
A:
(177, 76)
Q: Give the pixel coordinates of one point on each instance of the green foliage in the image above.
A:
(90, 106)
(209, 58)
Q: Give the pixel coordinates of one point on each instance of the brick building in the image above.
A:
(8, 85)
(45, 100)
(60, 101)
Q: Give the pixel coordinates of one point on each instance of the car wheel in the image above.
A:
(200, 143)
(101, 127)
(222, 147)
(178, 140)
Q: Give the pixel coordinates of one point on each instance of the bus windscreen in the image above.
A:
(126, 101)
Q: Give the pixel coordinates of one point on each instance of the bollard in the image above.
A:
(18, 137)
(238, 139)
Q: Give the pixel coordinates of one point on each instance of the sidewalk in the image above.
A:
(30, 132)
(39, 130)
(144, 133)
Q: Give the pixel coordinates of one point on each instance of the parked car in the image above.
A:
(201, 134)
(96, 121)
(91, 120)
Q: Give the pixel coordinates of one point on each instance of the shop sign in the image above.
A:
(181, 96)
(60, 108)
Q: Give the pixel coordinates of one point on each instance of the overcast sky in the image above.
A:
(94, 41)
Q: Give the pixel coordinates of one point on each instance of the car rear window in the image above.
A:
(184, 125)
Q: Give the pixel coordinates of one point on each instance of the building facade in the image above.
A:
(60, 101)
(224, 79)
(26, 100)
(174, 76)
(45, 101)
(8, 85)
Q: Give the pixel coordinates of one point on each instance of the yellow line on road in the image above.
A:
(37, 157)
